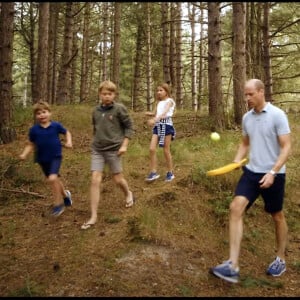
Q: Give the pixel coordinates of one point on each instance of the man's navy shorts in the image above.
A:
(249, 187)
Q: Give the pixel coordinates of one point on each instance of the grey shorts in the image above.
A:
(111, 158)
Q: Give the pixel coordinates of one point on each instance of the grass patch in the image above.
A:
(249, 282)
(30, 289)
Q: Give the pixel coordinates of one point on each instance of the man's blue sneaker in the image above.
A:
(170, 176)
(277, 267)
(68, 200)
(58, 210)
(152, 176)
(226, 272)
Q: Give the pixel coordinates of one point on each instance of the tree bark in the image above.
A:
(165, 24)
(266, 54)
(149, 61)
(239, 59)
(172, 63)
(105, 41)
(201, 60)
(40, 88)
(117, 43)
(137, 69)
(179, 97)
(52, 53)
(84, 56)
(193, 60)
(7, 132)
(64, 80)
(216, 106)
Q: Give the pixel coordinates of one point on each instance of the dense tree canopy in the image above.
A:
(139, 45)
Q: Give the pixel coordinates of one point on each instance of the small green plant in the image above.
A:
(185, 291)
(296, 265)
(249, 282)
(112, 219)
(30, 289)
(7, 236)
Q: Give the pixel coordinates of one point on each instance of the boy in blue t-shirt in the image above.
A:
(44, 139)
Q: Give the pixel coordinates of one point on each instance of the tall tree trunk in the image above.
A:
(193, 60)
(137, 69)
(248, 42)
(64, 82)
(117, 43)
(149, 61)
(32, 49)
(40, 88)
(258, 72)
(172, 63)
(84, 57)
(7, 132)
(216, 106)
(266, 54)
(105, 41)
(179, 97)
(165, 23)
(201, 58)
(52, 56)
(239, 59)
(74, 65)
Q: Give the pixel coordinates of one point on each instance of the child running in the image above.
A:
(44, 139)
(163, 131)
(112, 128)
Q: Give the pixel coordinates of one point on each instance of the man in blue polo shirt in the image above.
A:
(266, 135)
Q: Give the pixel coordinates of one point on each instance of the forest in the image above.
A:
(176, 231)
(60, 52)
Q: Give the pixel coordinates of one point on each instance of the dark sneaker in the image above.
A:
(277, 267)
(170, 176)
(226, 272)
(58, 210)
(68, 200)
(152, 176)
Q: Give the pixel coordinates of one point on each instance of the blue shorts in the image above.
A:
(169, 130)
(249, 187)
(51, 167)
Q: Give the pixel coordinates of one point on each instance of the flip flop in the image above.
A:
(130, 203)
(86, 225)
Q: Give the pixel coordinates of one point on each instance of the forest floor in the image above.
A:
(164, 245)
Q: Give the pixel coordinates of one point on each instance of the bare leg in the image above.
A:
(153, 157)
(95, 195)
(57, 189)
(281, 230)
(237, 208)
(122, 183)
(167, 153)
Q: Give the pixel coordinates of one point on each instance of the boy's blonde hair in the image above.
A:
(108, 85)
(41, 105)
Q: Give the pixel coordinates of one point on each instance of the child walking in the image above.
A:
(163, 131)
(112, 129)
(43, 138)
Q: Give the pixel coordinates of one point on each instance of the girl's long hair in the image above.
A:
(166, 87)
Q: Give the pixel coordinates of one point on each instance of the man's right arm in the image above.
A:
(242, 149)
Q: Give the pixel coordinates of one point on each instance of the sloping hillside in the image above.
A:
(163, 246)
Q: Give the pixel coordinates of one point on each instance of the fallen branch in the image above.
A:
(23, 192)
